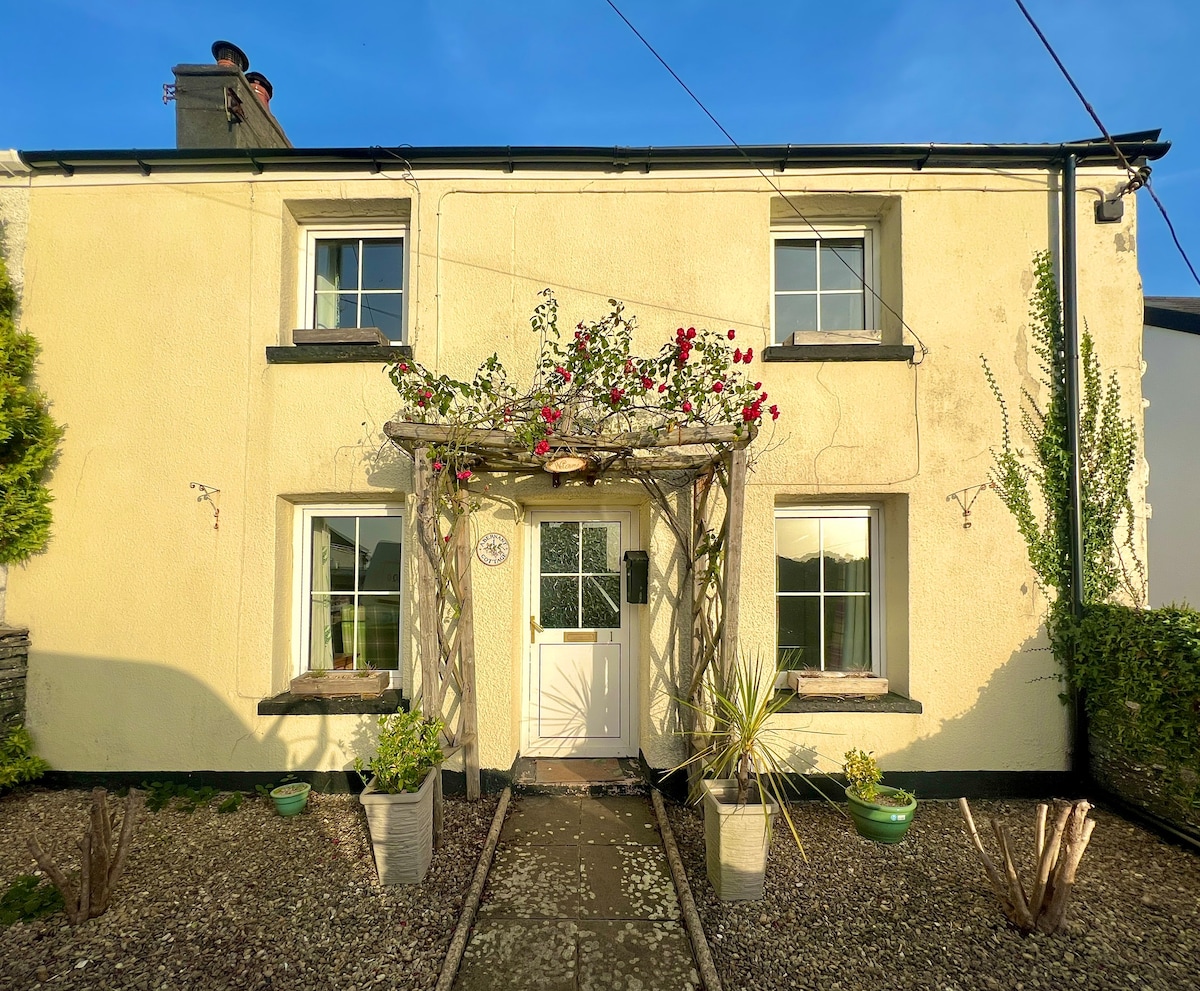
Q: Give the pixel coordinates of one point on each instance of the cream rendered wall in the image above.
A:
(155, 634)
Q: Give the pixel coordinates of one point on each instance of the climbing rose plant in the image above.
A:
(588, 382)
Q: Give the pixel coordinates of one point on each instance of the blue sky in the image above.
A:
(89, 74)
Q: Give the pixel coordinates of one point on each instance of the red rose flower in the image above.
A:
(749, 356)
(757, 385)
(647, 382)
(686, 407)
(463, 475)
(438, 466)
(737, 356)
(662, 387)
(541, 447)
(731, 335)
(563, 373)
(403, 367)
(718, 386)
(615, 395)
(691, 332)
(774, 412)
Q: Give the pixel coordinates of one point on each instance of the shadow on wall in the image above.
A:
(102, 714)
(1018, 704)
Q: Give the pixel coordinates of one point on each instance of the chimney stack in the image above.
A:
(223, 106)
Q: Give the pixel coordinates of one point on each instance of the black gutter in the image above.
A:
(766, 157)
(1080, 762)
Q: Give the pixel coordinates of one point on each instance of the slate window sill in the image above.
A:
(839, 352)
(328, 354)
(287, 704)
(891, 702)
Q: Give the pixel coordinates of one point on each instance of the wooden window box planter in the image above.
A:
(342, 684)
(827, 683)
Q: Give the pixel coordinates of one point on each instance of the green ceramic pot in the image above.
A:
(290, 799)
(881, 823)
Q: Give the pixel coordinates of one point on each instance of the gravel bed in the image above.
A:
(241, 900)
(921, 914)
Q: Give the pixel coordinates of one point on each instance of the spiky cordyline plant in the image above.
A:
(739, 743)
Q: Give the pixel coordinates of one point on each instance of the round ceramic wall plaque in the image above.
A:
(492, 549)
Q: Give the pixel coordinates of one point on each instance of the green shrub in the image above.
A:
(1140, 670)
(18, 762)
(28, 440)
(28, 898)
(408, 748)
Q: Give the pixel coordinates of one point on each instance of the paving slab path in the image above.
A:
(580, 898)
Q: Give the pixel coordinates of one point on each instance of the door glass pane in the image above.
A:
(560, 602)
(799, 618)
(383, 264)
(329, 645)
(794, 314)
(842, 311)
(382, 310)
(797, 554)
(848, 633)
(795, 265)
(379, 540)
(842, 264)
(337, 265)
(847, 555)
(601, 602)
(560, 548)
(333, 554)
(601, 548)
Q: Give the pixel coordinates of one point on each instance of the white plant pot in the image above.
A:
(401, 831)
(737, 839)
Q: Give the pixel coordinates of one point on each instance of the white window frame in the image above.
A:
(869, 233)
(302, 581)
(331, 232)
(874, 514)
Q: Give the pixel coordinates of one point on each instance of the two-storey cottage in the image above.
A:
(229, 513)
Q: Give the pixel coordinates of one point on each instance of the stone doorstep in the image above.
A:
(578, 776)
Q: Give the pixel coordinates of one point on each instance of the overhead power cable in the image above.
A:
(1134, 175)
(787, 199)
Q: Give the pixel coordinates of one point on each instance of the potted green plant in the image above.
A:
(880, 813)
(749, 766)
(398, 797)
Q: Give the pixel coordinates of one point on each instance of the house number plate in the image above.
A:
(492, 549)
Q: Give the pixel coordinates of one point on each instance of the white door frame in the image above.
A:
(627, 744)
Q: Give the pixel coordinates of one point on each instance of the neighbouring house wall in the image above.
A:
(1172, 371)
(157, 634)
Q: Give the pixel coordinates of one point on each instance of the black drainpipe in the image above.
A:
(1079, 728)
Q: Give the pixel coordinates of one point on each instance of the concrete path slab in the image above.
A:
(580, 896)
(635, 956)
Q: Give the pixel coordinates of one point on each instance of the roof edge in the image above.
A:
(619, 158)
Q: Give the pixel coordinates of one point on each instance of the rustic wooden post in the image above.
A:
(731, 583)
(468, 734)
(428, 608)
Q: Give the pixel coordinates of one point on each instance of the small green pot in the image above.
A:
(290, 799)
(881, 823)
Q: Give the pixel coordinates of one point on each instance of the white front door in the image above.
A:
(580, 673)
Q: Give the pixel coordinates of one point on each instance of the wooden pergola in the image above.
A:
(713, 460)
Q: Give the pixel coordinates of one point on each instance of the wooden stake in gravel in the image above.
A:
(101, 865)
(1056, 861)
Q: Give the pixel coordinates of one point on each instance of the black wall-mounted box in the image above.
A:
(637, 577)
